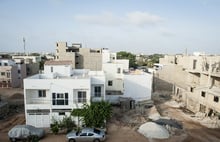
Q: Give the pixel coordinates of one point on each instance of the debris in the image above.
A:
(174, 104)
(154, 114)
(170, 122)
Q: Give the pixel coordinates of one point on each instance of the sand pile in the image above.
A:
(174, 104)
(153, 130)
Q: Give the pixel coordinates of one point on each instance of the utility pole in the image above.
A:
(24, 45)
(186, 52)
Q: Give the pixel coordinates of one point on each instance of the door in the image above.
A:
(38, 119)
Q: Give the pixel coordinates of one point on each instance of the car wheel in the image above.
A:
(96, 140)
(72, 140)
(13, 139)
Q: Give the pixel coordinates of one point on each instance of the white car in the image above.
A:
(21, 132)
(86, 135)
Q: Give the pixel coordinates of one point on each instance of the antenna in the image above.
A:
(186, 52)
(24, 44)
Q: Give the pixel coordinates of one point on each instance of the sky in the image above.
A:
(137, 26)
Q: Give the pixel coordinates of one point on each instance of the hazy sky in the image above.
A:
(138, 26)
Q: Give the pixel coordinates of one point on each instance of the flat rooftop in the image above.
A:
(77, 74)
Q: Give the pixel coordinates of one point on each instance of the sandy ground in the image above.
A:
(124, 124)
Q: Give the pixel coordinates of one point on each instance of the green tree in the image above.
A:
(35, 54)
(43, 60)
(152, 59)
(95, 114)
(127, 55)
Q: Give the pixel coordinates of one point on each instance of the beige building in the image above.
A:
(196, 81)
(82, 58)
(11, 74)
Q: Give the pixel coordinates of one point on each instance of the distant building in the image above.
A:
(28, 58)
(82, 58)
(11, 74)
(32, 63)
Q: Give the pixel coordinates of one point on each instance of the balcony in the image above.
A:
(97, 99)
(37, 101)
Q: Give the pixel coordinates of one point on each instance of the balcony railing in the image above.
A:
(38, 101)
(46, 101)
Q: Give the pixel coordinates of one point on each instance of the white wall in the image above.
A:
(111, 73)
(125, 64)
(138, 87)
(35, 59)
(63, 70)
(105, 56)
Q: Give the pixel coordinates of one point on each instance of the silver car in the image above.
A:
(86, 135)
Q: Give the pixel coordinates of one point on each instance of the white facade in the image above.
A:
(65, 70)
(35, 59)
(107, 56)
(125, 64)
(52, 96)
(138, 86)
(122, 83)
(114, 76)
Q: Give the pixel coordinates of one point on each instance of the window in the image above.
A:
(60, 98)
(119, 70)
(191, 89)
(203, 94)
(194, 64)
(83, 134)
(51, 69)
(97, 91)
(5, 64)
(61, 113)
(177, 91)
(110, 82)
(90, 134)
(19, 71)
(216, 99)
(82, 96)
(41, 93)
(2, 73)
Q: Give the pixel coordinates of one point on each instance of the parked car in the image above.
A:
(22, 132)
(86, 134)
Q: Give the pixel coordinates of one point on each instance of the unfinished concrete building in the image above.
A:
(196, 81)
(82, 58)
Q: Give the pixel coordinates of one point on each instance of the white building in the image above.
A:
(58, 90)
(120, 83)
(138, 85)
(27, 58)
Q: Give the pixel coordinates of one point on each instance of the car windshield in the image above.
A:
(97, 131)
